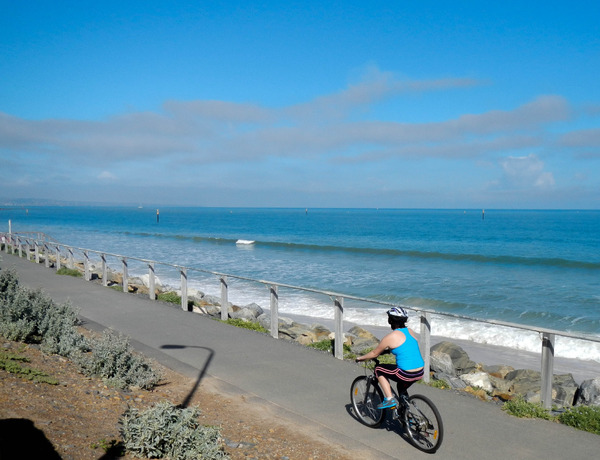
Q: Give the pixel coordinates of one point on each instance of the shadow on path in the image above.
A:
(211, 352)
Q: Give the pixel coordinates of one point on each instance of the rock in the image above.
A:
(461, 362)
(360, 344)
(525, 382)
(478, 379)
(451, 380)
(498, 370)
(246, 313)
(589, 393)
(255, 309)
(145, 279)
(320, 332)
(528, 383)
(211, 300)
(363, 334)
(440, 362)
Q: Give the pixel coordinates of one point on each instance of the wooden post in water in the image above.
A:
(184, 290)
(426, 344)
(338, 351)
(547, 369)
(274, 311)
(125, 276)
(224, 301)
(151, 288)
(104, 270)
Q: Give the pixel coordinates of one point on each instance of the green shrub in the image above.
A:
(168, 431)
(435, 383)
(253, 326)
(170, 297)
(112, 359)
(521, 408)
(327, 345)
(32, 317)
(69, 272)
(586, 418)
(10, 362)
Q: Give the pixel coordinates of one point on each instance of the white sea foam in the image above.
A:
(298, 303)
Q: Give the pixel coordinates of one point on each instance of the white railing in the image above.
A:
(41, 244)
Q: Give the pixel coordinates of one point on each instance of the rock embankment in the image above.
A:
(449, 362)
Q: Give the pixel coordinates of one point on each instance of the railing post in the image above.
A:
(274, 311)
(86, 265)
(426, 344)
(27, 250)
(71, 265)
(224, 301)
(547, 369)
(339, 328)
(125, 275)
(20, 247)
(46, 258)
(37, 252)
(104, 270)
(151, 289)
(184, 290)
(57, 257)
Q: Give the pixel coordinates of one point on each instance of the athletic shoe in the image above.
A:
(388, 404)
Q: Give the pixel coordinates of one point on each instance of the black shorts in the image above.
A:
(392, 372)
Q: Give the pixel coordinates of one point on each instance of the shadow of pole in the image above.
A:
(190, 395)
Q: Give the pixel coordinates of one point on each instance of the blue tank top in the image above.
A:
(408, 355)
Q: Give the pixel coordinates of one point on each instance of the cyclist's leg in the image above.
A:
(384, 372)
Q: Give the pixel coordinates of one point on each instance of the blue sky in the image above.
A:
(302, 104)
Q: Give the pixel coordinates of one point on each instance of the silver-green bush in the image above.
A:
(32, 317)
(171, 432)
(112, 359)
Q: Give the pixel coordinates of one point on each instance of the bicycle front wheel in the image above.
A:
(423, 424)
(365, 396)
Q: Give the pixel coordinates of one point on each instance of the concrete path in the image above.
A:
(303, 385)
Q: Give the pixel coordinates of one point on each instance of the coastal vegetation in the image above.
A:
(164, 431)
(69, 272)
(237, 322)
(586, 418)
(12, 363)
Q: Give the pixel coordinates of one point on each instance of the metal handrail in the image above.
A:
(548, 335)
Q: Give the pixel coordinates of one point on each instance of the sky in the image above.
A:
(382, 104)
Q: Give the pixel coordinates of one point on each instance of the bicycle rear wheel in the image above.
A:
(365, 396)
(423, 424)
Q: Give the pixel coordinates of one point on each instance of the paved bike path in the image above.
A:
(305, 386)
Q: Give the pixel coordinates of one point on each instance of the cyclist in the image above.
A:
(403, 344)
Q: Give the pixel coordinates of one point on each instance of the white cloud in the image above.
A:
(107, 176)
(526, 172)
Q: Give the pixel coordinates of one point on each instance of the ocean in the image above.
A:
(538, 268)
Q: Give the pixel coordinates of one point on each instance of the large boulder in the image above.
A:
(528, 383)
(461, 363)
(589, 393)
(479, 380)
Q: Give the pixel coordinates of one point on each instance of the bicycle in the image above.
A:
(421, 419)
